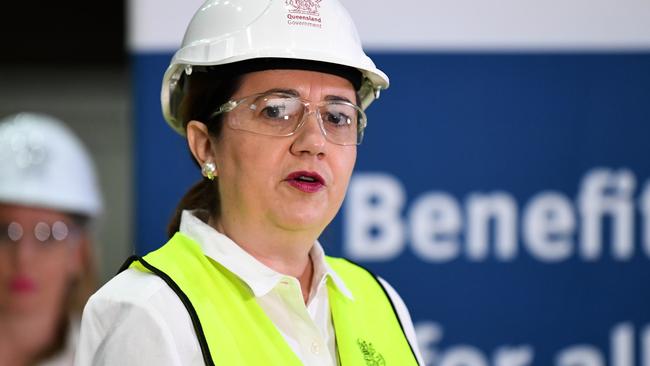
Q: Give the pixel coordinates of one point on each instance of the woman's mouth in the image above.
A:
(22, 284)
(308, 182)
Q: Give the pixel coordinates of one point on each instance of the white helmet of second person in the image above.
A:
(44, 164)
(223, 32)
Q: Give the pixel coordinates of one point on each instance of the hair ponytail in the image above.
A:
(202, 196)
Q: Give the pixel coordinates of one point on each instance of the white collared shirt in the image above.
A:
(136, 319)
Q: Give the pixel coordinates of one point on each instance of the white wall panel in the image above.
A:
(508, 24)
(444, 24)
(158, 25)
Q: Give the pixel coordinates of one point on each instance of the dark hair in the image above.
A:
(202, 93)
(208, 87)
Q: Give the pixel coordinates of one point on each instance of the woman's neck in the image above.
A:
(285, 252)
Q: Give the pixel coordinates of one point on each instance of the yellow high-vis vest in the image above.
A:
(232, 329)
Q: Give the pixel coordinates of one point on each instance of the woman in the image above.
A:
(267, 94)
(48, 200)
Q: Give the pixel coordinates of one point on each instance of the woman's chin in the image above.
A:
(304, 221)
(23, 304)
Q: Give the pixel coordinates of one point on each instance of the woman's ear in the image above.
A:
(198, 139)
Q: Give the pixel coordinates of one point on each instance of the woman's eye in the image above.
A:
(338, 119)
(280, 108)
(273, 111)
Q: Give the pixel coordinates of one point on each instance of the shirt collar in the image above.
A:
(259, 277)
(322, 270)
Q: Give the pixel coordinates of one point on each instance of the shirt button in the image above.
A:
(315, 348)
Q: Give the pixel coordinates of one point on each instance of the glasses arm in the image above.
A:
(226, 107)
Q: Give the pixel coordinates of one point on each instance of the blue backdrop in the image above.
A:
(505, 196)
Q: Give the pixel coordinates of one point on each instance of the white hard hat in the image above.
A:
(227, 31)
(44, 164)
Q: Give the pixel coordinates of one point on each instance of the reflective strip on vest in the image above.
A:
(238, 332)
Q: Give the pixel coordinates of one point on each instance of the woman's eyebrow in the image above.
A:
(293, 92)
(338, 98)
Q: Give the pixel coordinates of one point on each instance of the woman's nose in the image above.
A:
(24, 250)
(310, 138)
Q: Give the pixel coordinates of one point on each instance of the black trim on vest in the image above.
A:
(127, 263)
(198, 329)
(391, 304)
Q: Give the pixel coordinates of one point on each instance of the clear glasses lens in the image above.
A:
(282, 115)
(14, 231)
(43, 232)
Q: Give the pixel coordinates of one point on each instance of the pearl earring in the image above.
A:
(209, 170)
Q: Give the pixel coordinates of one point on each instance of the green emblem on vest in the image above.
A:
(372, 357)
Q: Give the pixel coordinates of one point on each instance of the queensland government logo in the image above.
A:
(304, 13)
(370, 355)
